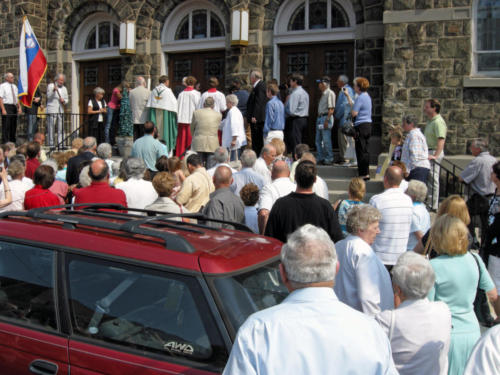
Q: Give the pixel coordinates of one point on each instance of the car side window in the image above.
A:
(147, 310)
(27, 285)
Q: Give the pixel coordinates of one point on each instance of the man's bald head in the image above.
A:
(393, 176)
(280, 169)
(223, 177)
(99, 170)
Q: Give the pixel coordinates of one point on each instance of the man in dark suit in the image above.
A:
(256, 109)
(88, 152)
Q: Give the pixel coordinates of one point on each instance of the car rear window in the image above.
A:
(243, 294)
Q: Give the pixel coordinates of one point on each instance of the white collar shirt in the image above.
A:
(419, 331)
(320, 188)
(211, 171)
(415, 151)
(397, 209)
(485, 358)
(8, 93)
(233, 126)
(187, 101)
(310, 332)
(139, 193)
(261, 168)
(362, 282)
(219, 100)
(54, 104)
(18, 190)
(271, 192)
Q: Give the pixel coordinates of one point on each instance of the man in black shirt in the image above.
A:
(302, 207)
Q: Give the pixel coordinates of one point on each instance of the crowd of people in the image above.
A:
(375, 288)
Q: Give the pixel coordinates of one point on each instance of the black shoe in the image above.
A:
(366, 178)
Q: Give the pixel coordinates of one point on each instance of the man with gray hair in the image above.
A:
(10, 107)
(310, 332)
(88, 152)
(246, 175)
(477, 174)
(221, 157)
(263, 164)
(256, 109)
(342, 111)
(324, 122)
(139, 192)
(138, 99)
(415, 154)
(204, 127)
(57, 98)
(419, 330)
(223, 204)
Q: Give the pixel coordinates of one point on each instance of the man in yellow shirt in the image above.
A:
(435, 135)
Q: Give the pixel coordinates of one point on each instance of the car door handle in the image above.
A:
(41, 367)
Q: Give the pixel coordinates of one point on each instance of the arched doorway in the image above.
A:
(314, 38)
(194, 40)
(96, 58)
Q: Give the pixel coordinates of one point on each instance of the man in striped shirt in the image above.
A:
(396, 208)
(415, 154)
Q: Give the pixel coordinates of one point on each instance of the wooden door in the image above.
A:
(313, 62)
(201, 65)
(106, 74)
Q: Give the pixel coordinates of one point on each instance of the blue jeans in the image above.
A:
(324, 142)
(107, 127)
(32, 126)
(235, 153)
(419, 173)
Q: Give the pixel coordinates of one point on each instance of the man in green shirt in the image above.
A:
(435, 135)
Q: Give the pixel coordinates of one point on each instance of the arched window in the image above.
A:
(103, 35)
(487, 38)
(194, 25)
(318, 15)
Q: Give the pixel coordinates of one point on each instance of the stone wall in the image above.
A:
(425, 60)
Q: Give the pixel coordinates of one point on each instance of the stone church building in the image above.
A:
(409, 50)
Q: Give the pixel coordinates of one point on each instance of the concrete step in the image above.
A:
(334, 171)
(342, 184)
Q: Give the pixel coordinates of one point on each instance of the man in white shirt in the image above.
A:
(10, 108)
(138, 98)
(139, 192)
(280, 187)
(419, 330)
(247, 175)
(310, 332)
(396, 208)
(221, 157)
(263, 164)
(57, 98)
(219, 97)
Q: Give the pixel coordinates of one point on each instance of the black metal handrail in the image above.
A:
(449, 182)
(73, 125)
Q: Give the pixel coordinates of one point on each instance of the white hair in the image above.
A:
(359, 217)
(140, 81)
(7, 75)
(414, 275)
(248, 158)
(135, 167)
(309, 256)
(233, 99)
(344, 78)
(98, 90)
(84, 178)
(221, 155)
(104, 151)
(256, 73)
(417, 189)
(481, 144)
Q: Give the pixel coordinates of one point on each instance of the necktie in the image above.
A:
(14, 99)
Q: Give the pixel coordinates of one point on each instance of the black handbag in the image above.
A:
(481, 306)
(348, 128)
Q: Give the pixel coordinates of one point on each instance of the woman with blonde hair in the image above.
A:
(455, 206)
(459, 274)
(356, 192)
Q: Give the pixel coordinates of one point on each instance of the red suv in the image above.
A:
(105, 292)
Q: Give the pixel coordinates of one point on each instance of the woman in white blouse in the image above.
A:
(96, 109)
(233, 129)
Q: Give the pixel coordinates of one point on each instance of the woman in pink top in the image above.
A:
(113, 114)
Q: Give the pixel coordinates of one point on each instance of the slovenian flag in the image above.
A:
(32, 64)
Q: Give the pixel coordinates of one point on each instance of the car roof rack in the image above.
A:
(134, 224)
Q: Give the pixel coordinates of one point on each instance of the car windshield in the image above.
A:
(248, 292)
